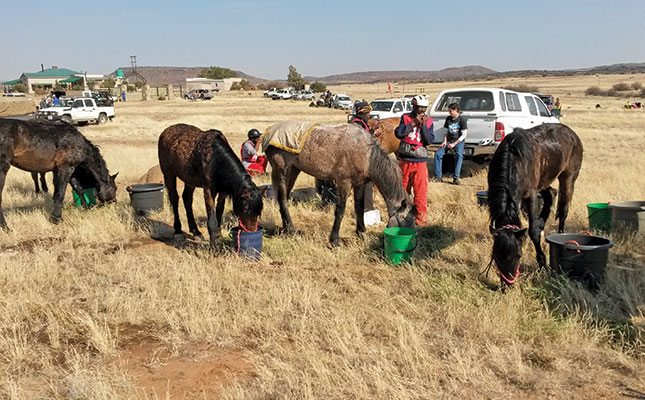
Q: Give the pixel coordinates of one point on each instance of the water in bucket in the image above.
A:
(399, 243)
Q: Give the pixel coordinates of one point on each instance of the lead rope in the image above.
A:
(239, 231)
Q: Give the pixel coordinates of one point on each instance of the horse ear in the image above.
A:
(114, 176)
(493, 231)
(519, 234)
(263, 190)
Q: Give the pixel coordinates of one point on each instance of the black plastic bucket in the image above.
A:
(247, 243)
(578, 256)
(146, 197)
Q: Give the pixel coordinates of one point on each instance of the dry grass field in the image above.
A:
(106, 305)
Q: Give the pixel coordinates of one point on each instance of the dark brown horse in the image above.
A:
(37, 146)
(205, 159)
(525, 164)
(81, 180)
(347, 155)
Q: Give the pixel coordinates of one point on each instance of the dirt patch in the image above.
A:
(28, 245)
(193, 371)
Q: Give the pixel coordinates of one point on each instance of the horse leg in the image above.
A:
(547, 197)
(62, 176)
(43, 182)
(535, 231)
(343, 191)
(187, 196)
(565, 192)
(171, 184)
(279, 182)
(292, 175)
(359, 208)
(34, 176)
(213, 223)
(76, 185)
(4, 167)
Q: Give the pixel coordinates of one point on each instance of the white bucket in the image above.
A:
(372, 217)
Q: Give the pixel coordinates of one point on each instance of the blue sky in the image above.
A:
(262, 38)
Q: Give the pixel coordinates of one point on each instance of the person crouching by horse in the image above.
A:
(361, 118)
(253, 163)
(415, 131)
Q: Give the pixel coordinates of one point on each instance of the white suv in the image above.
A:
(342, 101)
(390, 108)
(492, 114)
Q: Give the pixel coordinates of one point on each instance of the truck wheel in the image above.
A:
(102, 118)
(82, 123)
(66, 118)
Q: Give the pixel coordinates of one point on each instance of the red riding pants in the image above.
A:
(415, 178)
(258, 167)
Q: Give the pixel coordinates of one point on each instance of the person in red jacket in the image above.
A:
(415, 131)
(253, 163)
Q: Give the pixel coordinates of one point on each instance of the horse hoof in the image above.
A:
(55, 220)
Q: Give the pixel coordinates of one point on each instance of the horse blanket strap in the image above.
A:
(287, 135)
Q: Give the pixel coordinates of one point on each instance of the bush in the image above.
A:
(318, 87)
(621, 87)
(642, 94)
(20, 87)
(109, 83)
(594, 91)
(131, 88)
(612, 92)
(139, 84)
(637, 86)
(523, 88)
(217, 73)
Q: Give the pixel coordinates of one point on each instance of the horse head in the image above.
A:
(404, 215)
(507, 251)
(107, 190)
(248, 207)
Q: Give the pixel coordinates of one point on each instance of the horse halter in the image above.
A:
(517, 269)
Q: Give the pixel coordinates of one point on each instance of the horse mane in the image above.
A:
(504, 178)
(227, 168)
(385, 173)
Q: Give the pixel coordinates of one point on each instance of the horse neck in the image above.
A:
(387, 177)
(96, 166)
(503, 186)
(227, 172)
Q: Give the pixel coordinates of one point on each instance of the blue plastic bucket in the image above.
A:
(247, 243)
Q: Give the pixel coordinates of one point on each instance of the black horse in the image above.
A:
(38, 146)
(205, 159)
(81, 180)
(525, 164)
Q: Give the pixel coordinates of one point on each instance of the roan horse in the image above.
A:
(525, 164)
(205, 159)
(37, 146)
(347, 155)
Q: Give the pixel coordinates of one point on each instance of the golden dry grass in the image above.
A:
(315, 322)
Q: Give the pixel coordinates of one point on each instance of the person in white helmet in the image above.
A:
(415, 131)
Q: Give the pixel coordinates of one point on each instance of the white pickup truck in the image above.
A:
(492, 114)
(81, 111)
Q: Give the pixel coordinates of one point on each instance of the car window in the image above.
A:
(467, 100)
(531, 104)
(382, 105)
(78, 103)
(513, 102)
(408, 106)
(502, 101)
(88, 103)
(397, 107)
(543, 110)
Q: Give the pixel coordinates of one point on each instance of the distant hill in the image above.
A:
(398, 76)
(177, 75)
(157, 76)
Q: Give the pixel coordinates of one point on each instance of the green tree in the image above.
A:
(318, 87)
(217, 73)
(20, 87)
(109, 83)
(294, 79)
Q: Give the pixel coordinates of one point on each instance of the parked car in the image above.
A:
(342, 101)
(269, 93)
(282, 94)
(390, 108)
(308, 95)
(199, 94)
(492, 114)
(81, 111)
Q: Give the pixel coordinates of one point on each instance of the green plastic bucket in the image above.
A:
(88, 195)
(399, 244)
(599, 216)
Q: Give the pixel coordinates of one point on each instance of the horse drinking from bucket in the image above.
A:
(345, 154)
(205, 159)
(38, 146)
(525, 164)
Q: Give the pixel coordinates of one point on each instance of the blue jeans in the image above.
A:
(438, 158)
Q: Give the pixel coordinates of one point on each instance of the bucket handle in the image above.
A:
(585, 233)
(574, 242)
(404, 251)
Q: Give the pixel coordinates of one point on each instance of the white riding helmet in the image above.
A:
(420, 101)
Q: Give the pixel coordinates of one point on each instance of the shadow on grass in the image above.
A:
(430, 240)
